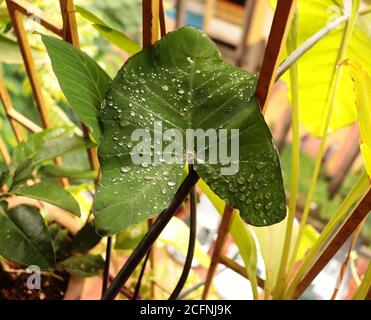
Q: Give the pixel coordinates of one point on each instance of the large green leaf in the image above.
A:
(316, 66)
(118, 38)
(84, 266)
(82, 80)
(183, 82)
(24, 237)
(42, 146)
(52, 193)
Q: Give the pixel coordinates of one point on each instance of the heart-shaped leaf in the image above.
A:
(183, 83)
(315, 68)
(24, 238)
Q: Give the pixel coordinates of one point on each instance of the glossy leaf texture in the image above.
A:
(315, 68)
(84, 266)
(362, 90)
(24, 238)
(81, 79)
(43, 146)
(52, 193)
(116, 37)
(183, 83)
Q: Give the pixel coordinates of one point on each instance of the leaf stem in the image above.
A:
(151, 236)
(357, 191)
(295, 157)
(141, 274)
(107, 265)
(191, 248)
(363, 291)
(334, 84)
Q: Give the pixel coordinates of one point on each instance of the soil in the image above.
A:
(13, 286)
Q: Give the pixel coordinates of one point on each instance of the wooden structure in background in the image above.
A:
(68, 31)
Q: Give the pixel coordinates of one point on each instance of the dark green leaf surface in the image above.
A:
(85, 239)
(42, 146)
(84, 266)
(82, 80)
(24, 238)
(52, 193)
(184, 82)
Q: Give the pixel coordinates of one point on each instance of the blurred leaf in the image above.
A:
(61, 241)
(116, 37)
(241, 235)
(86, 239)
(10, 53)
(176, 234)
(64, 171)
(84, 266)
(24, 238)
(82, 80)
(315, 68)
(42, 146)
(271, 240)
(50, 192)
(130, 192)
(362, 88)
(131, 236)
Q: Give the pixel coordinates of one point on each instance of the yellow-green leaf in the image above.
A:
(362, 92)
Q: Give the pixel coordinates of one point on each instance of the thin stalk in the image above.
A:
(107, 265)
(345, 264)
(141, 274)
(296, 54)
(357, 191)
(191, 248)
(334, 84)
(363, 291)
(310, 42)
(151, 236)
(295, 157)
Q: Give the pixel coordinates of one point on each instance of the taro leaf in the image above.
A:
(84, 266)
(52, 193)
(85, 239)
(82, 80)
(183, 82)
(321, 59)
(24, 238)
(42, 146)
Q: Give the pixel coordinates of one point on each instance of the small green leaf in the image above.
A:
(51, 193)
(86, 239)
(118, 38)
(84, 266)
(43, 146)
(183, 82)
(82, 80)
(24, 238)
